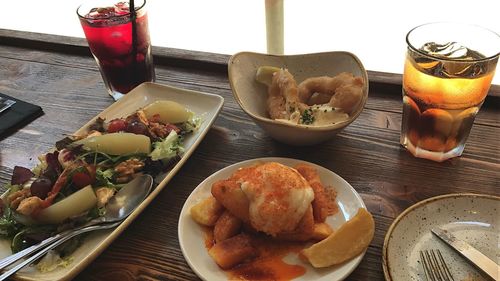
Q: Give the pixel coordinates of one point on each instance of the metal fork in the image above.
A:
(435, 267)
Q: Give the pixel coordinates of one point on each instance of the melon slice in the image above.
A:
(73, 205)
(169, 111)
(118, 143)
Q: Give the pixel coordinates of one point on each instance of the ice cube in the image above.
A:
(457, 60)
(450, 50)
(100, 13)
(443, 120)
(461, 69)
(121, 8)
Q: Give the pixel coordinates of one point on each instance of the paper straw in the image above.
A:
(274, 27)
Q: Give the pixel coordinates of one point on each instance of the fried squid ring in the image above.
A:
(283, 96)
(341, 91)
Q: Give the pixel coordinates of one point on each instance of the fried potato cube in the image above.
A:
(226, 226)
(207, 211)
(321, 231)
(230, 195)
(232, 251)
(320, 202)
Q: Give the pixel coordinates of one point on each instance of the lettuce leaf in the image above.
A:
(104, 177)
(191, 125)
(170, 147)
(41, 166)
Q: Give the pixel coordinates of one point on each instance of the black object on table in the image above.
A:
(17, 115)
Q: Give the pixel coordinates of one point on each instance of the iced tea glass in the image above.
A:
(447, 74)
(120, 45)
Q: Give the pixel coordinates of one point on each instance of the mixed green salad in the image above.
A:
(72, 183)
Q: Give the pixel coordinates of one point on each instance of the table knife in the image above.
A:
(5, 103)
(473, 255)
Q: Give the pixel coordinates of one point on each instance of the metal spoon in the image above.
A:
(117, 209)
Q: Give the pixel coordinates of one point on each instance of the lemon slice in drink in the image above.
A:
(264, 74)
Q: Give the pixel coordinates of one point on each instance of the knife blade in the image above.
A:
(5, 103)
(478, 259)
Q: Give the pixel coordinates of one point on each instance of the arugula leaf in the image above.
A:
(8, 225)
(30, 235)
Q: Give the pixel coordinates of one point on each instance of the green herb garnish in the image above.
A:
(307, 117)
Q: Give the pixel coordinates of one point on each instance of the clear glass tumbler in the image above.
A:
(120, 44)
(447, 74)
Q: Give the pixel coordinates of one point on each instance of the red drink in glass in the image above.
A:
(124, 61)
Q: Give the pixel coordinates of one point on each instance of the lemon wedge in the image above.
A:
(352, 238)
(264, 74)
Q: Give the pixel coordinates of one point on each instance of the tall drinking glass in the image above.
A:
(447, 74)
(120, 44)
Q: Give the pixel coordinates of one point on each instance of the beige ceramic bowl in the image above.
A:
(252, 95)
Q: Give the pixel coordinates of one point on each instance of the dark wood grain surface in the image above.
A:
(58, 74)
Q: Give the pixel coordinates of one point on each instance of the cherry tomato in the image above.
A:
(81, 179)
(117, 125)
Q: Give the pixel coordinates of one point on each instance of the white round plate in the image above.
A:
(473, 218)
(191, 235)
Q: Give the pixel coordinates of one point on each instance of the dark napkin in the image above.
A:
(17, 115)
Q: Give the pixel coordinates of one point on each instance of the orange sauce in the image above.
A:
(266, 269)
(269, 264)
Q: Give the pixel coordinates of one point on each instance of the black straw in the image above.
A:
(133, 17)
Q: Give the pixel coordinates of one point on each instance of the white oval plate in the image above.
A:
(191, 235)
(205, 105)
(473, 218)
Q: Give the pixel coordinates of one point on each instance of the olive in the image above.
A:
(41, 187)
(137, 128)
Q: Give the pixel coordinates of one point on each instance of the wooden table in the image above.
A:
(59, 74)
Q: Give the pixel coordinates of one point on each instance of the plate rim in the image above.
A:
(116, 232)
(419, 204)
(233, 165)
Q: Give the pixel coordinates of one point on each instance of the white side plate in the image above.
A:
(191, 235)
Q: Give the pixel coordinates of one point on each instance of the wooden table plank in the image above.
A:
(66, 83)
